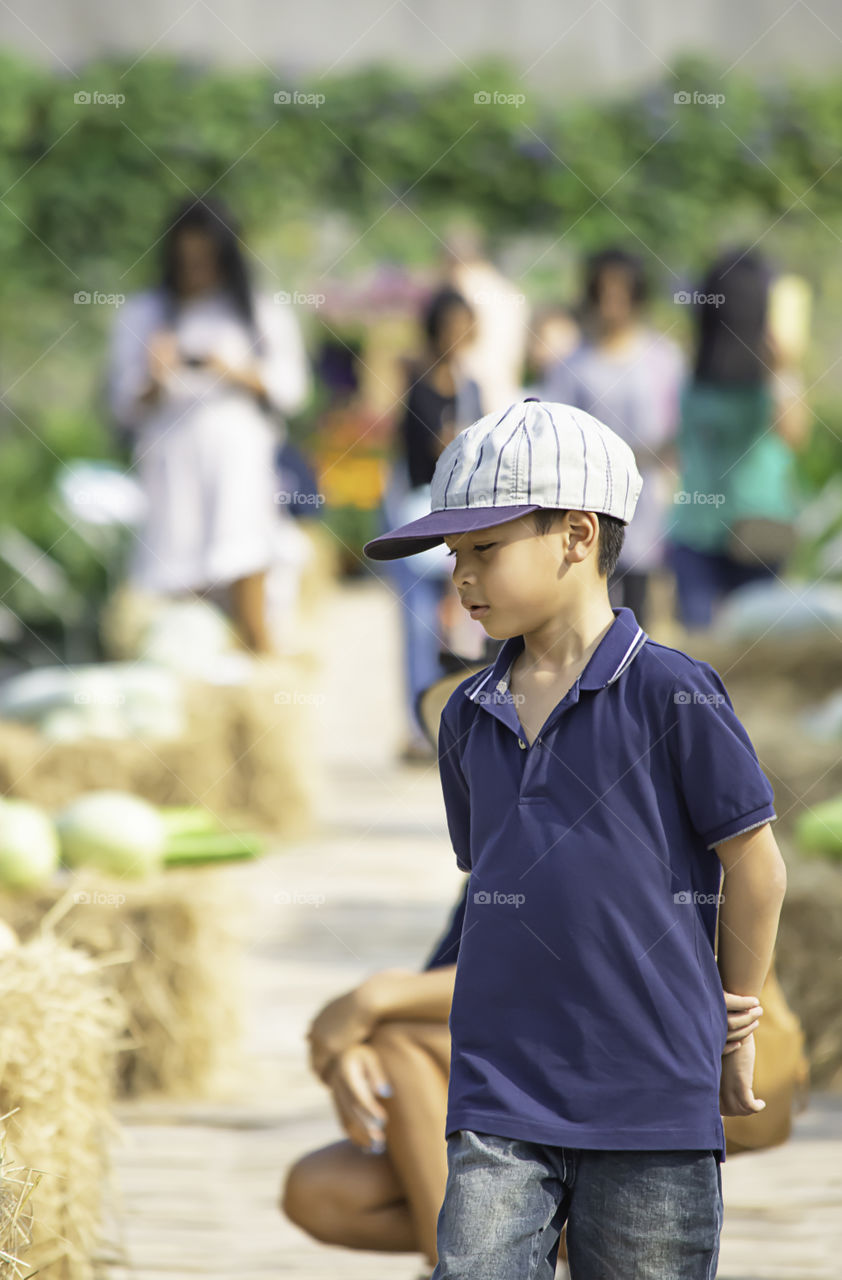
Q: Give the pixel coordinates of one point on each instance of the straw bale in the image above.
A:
(248, 753)
(809, 963)
(174, 943)
(61, 1026)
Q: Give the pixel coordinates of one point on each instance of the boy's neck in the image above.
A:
(568, 639)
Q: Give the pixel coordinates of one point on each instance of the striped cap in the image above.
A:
(535, 454)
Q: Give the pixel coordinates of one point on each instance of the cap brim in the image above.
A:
(430, 530)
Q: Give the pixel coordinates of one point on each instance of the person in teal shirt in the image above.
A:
(740, 419)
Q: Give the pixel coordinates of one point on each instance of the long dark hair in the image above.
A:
(218, 223)
(731, 322)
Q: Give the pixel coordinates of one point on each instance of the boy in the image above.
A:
(595, 784)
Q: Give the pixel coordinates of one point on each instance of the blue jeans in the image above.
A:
(631, 1215)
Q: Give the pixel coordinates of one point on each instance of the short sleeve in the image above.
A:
(446, 949)
(724, 788)
(456, 795)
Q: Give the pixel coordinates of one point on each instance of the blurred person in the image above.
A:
(197, 366)
(629, 376)
(496, 354)
(441, 400)
(741, 421)
(554, 336)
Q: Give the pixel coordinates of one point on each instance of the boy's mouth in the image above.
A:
(477, 610)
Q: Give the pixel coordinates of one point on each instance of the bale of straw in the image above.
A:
(16, 1186)
(175, 944)
(60, 1030)
(248, 753)
(809, 963)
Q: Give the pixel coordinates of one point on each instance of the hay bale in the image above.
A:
(16, 1186)
(172, 946)
(809, 963)
(248, 754)
(60, 1029)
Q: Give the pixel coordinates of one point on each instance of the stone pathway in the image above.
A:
(197, 1184)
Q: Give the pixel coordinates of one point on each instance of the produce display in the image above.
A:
(112, 700)
(113, 832)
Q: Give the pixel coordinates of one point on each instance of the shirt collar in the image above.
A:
(618, 647)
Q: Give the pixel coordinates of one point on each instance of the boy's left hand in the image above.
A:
(736, 1092)
(744, 1013)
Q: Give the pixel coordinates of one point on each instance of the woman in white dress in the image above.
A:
(195, 366)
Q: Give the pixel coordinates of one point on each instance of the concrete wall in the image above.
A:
(574, 46)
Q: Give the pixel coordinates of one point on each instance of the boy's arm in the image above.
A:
(753, 891)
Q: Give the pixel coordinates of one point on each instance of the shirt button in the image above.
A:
(501, 686)
(521, 744)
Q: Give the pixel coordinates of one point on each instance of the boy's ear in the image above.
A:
(584, 534)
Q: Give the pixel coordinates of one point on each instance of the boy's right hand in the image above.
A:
(744, 1013)
(356, 1077)
(736, 1084)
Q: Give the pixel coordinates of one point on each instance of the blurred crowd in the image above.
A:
(204, 371)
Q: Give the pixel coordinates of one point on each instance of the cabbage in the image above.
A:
(28, 845)
(114, 832)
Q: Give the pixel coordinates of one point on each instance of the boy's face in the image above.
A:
(519, 578)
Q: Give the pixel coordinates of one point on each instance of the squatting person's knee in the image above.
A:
(305, 1197)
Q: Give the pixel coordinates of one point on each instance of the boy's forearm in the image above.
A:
(394, 994)
(753, 892)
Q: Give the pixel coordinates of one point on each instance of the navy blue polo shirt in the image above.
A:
(588, 1008)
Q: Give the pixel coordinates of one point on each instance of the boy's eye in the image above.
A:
(478, 546)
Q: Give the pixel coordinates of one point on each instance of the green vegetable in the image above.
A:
(117, 833)
(193, 850)
(29, 848)
(819, 830)
(187, 819)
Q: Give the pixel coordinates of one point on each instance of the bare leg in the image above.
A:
(248, 598)
(416, 1060)
(341, 1196)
